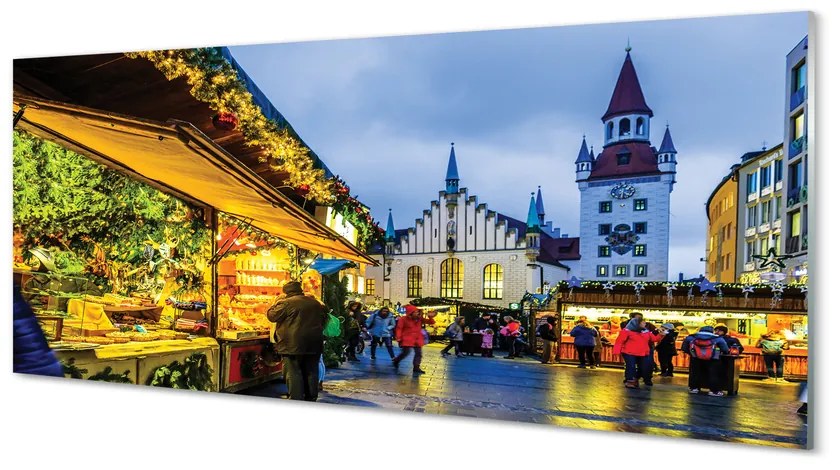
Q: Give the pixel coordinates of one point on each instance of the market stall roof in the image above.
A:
(178, 158)
(330, 266)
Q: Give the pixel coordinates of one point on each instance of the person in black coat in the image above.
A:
(32, 354)
(667, 349)
(300, 322)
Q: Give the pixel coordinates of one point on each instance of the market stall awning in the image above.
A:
(177, 158)
(330, 266)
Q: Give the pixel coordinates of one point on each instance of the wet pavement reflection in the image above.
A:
(524, 390)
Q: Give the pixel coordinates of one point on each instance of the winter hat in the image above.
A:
(668, 326)
(292, 288)
(409, 309)
(707, 329)
(633, 325)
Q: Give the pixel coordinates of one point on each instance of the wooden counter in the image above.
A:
(752, 364)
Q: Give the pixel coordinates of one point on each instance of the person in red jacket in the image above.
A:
(409, 334)
(633, 344)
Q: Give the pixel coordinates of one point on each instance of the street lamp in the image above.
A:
(542, 283)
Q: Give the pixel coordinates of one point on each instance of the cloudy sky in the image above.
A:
(381, 112)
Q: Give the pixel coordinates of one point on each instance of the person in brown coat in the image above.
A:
(299, 334)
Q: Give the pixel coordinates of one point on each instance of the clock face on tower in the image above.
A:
(622, 191)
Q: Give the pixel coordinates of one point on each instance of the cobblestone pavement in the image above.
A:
(524, 390)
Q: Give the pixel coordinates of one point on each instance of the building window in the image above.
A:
(765, 212)
(800, 76)
(604, 229)
(641, 270)
(765, 244)
(623, 158)
(603, 270)
(639, 204)
(610, 130)
(370, 286)
(493, 281)
(620, 270)
(778, 169)
(795, 171)
(604, 251)
(624, 128)
(750, 250)
(729, 230)
(795, 224)
(778, 245)
(640, 126)
(452, 279)
(766, 177)
(640, 227)
(752, 182)
(752, 216)
(728, 259)
(640, 250)
(798, 126)
(415, 281)
(605, 206)
(778, 214)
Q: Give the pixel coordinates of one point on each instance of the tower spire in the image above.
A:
(627, 97)
(533, 219)
(390, 233)
(540, 206)
(452, 172)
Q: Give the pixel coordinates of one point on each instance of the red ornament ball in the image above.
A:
(303, 189)
(225, 121)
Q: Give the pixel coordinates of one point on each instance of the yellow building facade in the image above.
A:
(722, 229)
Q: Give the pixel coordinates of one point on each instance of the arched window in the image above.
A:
(493, 278)
(624, 128)
(415, 281)
(640, 126)
(452, 279)
(610, 130)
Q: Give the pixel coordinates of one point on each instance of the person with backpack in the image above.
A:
(455, 334)
(381, 327)
(772, 344)
(585, 338)
(705, 348)
(734, 344)
(548, 333)
(633, 345)
(667, 349)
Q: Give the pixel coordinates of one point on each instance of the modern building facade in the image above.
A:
(796, 220)
(461, 249)
(760, 209)
(625, 192)
(721, 235)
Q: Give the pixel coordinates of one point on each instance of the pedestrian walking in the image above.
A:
(32, 353)
(548, 333)
(650, 326)
(487, 342)
(599, 346)
(772, 345)
(381, 326)
(667, 349)
(585, 337)
(633, 345)
(299, 333)
(705, 348)
(455, 334)
(352, 329)
(409, 334)
(511, 331)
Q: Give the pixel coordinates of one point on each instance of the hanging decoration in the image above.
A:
(669, 293)
(573, 282)
(804, 290)
(772, 261)
(690, 294)
(747, 290)
(639, 287)
(608, 288)
(225, 121)
(720, 294)
(778, 289)
(706, 286)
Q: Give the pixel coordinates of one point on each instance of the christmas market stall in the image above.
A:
(748, 311)
(192, 127)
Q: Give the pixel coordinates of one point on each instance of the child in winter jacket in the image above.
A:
(487, 342)
(633, 344)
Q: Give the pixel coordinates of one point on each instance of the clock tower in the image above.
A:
(625, 192)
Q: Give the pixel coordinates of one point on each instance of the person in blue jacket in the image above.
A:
(381, 327)
(585, 337)
(32, 354)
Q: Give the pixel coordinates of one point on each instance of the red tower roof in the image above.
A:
(641, 160)
(627, 97)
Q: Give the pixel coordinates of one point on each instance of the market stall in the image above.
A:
(747, 311)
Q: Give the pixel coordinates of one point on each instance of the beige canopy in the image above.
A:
(179, 159)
